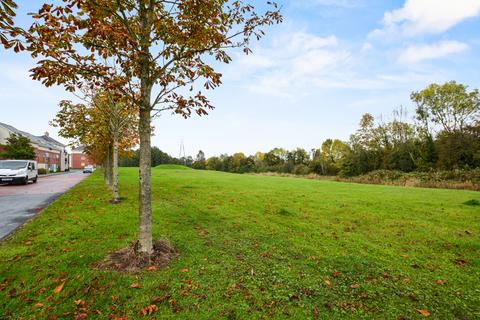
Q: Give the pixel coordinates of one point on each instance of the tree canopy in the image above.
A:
(18, 147)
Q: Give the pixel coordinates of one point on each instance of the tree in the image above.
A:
(18, 147)
(459, 149)
(8, 31)
(449, 106)
(199, 161)
(157, 47)
(106, 127)
(214, 163)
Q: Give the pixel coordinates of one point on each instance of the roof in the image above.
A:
(79, 149)
(51, 140)
(37, 140)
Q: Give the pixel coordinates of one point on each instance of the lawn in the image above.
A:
(250, 247)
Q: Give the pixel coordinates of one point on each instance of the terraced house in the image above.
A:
(51, 154)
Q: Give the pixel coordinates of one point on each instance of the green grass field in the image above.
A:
(251, 247)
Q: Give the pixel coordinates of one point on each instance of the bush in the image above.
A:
(452, 179)
(42, 171)
(301, 169)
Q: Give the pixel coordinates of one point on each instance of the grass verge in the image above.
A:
(250, 247)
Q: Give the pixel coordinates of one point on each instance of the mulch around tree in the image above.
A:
(130, 260)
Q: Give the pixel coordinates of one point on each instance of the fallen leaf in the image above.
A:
(461, 262)
(149, 309)
(184, 270)
(355, 286)
(39, 305)
(441, 282)
(406, 280)
(81, 316)
(152, 268)
(336, 274)
(79, 302)
(59, 287)
(424, 313)
(316, 313)
(135, 285)
(66, 250)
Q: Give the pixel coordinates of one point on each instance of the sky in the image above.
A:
(311, 78)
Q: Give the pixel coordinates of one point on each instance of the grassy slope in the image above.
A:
(254, 247)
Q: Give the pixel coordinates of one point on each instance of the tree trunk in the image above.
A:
(110, 169)
(116, 197)
(106, 167)
(145, 206)
(144, 128)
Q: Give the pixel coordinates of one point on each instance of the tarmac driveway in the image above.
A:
(19, 203)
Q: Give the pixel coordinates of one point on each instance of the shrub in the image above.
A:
(453, 179)
(301, 169)
(42, 171)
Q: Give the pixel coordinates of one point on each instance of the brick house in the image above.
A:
(79, 159)
(51, 154)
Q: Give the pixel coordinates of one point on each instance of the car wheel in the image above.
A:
(25, 181)
(35, 179)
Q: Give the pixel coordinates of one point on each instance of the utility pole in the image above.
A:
(182, 153)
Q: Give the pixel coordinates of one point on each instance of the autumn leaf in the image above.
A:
(39, 305)
(461, 262)
(152, 268)
(440, 282)
(355, 286)
(149, 309)
(184, 270)
(336, 274)
(12, 292)
(424, 313)
(135, 285)
(79, 302)
(59, 287)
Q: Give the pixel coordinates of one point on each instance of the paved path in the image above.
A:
(18, 203)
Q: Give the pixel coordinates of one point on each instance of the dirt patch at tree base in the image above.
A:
(130, 260)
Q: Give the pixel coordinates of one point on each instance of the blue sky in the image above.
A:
(309, 79)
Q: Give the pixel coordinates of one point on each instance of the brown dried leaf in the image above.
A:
(59, 287)
(135, 285)
(424, 313)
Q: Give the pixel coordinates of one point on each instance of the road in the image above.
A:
(19, 203)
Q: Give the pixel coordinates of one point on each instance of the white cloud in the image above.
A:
(418, 17)
(293, 62)
(419, 53)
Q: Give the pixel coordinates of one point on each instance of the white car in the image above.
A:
(88, 169)
(18, 171)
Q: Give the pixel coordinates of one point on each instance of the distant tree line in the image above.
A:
(444, 135)
(158, 157)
